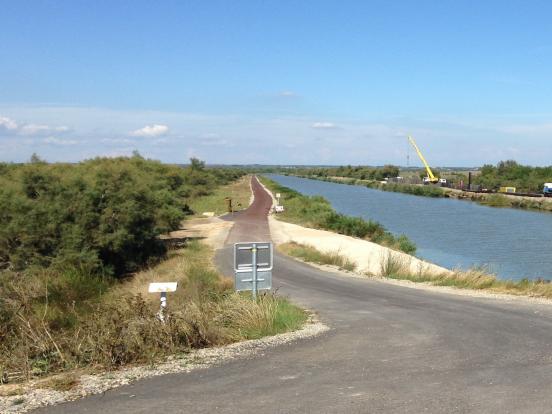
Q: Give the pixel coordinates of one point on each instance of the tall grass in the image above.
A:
(418, 190)
(49, 325)
(395, 267)
(317, 212)
(311, 254)
(496, 200)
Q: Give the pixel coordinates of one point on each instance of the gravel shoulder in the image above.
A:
(31, 395)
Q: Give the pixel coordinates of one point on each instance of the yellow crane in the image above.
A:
(430, 176)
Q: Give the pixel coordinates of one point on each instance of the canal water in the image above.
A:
(511, 243)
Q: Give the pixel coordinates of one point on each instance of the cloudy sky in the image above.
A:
(280, 82)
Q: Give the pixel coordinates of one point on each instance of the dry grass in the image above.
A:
(311, 254)
(395, 267)
(61, 382)
(121, 327)
(239, 191)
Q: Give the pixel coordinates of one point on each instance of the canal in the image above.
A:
(513, 244)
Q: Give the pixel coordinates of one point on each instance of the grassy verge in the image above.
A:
(311, 254)
(239, 191)
(394, 267)
(52, 323)
(418, 190)
(317, 212)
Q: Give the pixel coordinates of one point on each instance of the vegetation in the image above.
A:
(358, 172)
(506, 173)
(311, 254)
(509, 173)
(395, 267)
(418, 190)
(317, 212)
(57, 323)
(70, 236)
(99, 217)
(239, 191)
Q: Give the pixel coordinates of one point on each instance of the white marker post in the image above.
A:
(162, 288)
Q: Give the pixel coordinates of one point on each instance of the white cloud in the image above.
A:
(58, 141)
(323, 125)
(116, 141)
(287, 94)
(7, 123)
(12, 126)
(148, 131)
(33, 129)
(527, 129)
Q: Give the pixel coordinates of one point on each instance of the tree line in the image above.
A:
(509, 173)
(100, 216)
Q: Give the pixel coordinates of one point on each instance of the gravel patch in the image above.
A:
(32, 396)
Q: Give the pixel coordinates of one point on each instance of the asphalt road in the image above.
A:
(391, 349)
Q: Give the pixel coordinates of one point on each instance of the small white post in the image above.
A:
(162, 306)
(162, 288)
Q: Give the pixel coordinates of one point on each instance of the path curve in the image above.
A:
(391, 350)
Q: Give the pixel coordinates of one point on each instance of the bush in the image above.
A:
(102, 214)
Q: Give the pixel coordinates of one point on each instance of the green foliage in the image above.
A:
(510, 173)
(317, 212)
(496, 200)
(418, 190)
(103, 215)
(358, 172)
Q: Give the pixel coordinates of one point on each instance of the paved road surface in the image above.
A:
(391, 350)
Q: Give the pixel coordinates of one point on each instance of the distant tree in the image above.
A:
(35, 159)
(196, 164)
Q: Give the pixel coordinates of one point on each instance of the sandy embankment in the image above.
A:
(367, 256)
(211, 230)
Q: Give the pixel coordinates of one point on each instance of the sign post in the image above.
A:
(254, 269)
(162, 288)
(253, 264)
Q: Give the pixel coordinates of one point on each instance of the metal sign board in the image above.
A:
(162, 287)
(244, 281)
(243, 256)
(253, 263)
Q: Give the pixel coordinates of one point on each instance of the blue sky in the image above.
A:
(277, 82)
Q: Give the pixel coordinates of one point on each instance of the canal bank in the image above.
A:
(366, 259)
(500, 200)
(513, 244)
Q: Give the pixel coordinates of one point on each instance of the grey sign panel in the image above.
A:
(243, 256)
(253, 264)
(244, 280)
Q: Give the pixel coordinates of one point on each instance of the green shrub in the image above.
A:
(103, 214)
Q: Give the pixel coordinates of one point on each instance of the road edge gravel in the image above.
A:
(35, 397)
